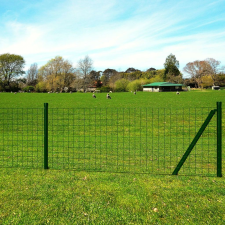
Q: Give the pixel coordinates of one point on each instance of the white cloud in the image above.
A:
(117, 34)
(25, 39)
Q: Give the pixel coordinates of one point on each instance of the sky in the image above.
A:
(115, 34)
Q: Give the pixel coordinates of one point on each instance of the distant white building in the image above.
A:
(215, 87)
(162, 86)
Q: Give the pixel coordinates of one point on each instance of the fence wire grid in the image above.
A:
(137, 140)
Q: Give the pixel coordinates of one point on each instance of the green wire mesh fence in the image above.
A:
(137, 140)
(21, 137)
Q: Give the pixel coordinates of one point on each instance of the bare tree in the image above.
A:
(32, 74)
(196, 70)
(212, 68)
(208, 67)
(85, 66)
(113, 78)
(77, 84)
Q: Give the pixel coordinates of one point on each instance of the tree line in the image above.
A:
(59, 75)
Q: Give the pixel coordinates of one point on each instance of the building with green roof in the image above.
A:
(162, 86)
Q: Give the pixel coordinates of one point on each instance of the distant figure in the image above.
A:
(108, 96)
(15, 93)
(94, 96)
(134, 93)
(177, 93)
(70, 92)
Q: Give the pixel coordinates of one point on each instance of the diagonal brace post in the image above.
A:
(195, 140)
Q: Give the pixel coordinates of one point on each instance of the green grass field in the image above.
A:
(124, 100)
(35, 196)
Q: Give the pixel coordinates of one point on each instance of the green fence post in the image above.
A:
(219, 139)
(45, 135)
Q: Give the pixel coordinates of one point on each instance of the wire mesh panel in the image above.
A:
(139, 140)
(21, 137)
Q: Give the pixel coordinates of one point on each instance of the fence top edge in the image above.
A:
(19, 108)
(167, 108)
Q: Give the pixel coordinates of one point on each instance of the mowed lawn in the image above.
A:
(124, 100)
(35, 196)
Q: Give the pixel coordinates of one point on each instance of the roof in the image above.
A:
(162, 84)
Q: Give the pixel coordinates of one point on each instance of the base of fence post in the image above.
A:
(46, 136)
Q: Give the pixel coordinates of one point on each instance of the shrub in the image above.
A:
(121, 85)
(134, 85)
(137, 84)
(120, 90)
(28, 88)
(104, 89)
(207, 82)
(41, 87)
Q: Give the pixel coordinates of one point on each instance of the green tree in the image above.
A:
(41, 87)
(107, 74)
(136, 85)
(171, 66)
(94, 78)
(207, 81)
(221, 79)
(151, 72)
(11, 66)
(58, 73)
(121, 85)
(156, 78)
